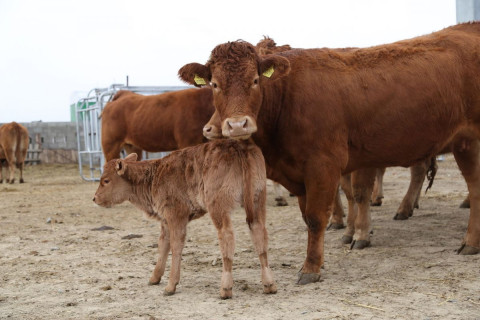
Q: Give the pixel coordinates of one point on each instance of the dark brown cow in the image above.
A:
(319, 113)
(14, 141)
(164, 122)
(214, 177)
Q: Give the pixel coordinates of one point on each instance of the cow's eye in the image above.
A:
(106, 181)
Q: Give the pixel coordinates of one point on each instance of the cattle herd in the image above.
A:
(312, 120)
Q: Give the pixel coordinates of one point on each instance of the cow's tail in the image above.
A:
(431, 172)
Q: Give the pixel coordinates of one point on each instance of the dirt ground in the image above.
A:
(53, 265)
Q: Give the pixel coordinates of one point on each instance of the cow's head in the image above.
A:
(236, 74)
(114, 188)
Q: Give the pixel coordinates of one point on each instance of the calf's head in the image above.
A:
(114, 188)
(236, 74)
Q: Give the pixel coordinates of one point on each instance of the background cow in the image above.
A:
(318, 114)
(14, 141)
(214, 177)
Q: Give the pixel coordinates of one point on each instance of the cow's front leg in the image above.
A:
(163, 249)
(466, 151)
(178, 232)
(321, 185)
(362, 185)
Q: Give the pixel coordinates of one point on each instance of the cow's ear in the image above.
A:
(131, 157)
(195, 73)
(274, 67)
(120, 167)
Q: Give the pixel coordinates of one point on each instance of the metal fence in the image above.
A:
(87, 114)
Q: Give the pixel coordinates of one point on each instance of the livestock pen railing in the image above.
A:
(88, 121)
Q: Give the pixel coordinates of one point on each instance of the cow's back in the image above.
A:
(14, 138)
(157, 123)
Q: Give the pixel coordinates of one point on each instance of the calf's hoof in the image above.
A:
(465, 205)
(400, 216)
(168, 293)
(467, 250)
(335, 226)
(226, 293)
(360, 244)
(347, 239)
(306, 278)
(270, 288)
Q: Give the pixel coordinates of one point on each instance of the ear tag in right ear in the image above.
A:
(199, 80)
(268, 73)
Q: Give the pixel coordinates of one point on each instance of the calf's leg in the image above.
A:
(362, 185)
(163, 249)
(178, 231)
(336, 221)
(259, 235)
(346, 183)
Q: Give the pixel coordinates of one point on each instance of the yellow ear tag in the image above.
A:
(199, 80)
(268, 73)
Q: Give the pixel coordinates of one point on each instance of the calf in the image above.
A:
(13, 148)
(213, 177)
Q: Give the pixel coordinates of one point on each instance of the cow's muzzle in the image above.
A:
(212, 132)
(239, 127)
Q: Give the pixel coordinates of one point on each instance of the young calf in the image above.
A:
(212, 177)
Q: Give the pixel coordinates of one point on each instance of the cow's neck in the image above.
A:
(140, 175)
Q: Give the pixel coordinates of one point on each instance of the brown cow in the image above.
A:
(14, 141)
(319, 113)
(214, 177)
(163, 122)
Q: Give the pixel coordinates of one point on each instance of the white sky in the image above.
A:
(53, 50)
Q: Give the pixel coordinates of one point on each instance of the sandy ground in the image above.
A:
(54, 266)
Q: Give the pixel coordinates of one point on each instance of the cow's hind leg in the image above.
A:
(362, 185)
(467, 151)
(417, 177)
(377, 194)
(163, 249)
(259, 235)
(11, 162)
(346, 184)
(336, 221)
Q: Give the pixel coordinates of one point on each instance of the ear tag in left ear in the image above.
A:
(268, 73)
(199, 80)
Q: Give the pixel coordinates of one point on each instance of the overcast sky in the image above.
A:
(53, 51)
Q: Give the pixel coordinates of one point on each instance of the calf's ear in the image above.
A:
(274, 67)
(195, 73)
(131, 157)
(120, 167)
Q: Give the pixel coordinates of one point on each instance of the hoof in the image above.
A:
(270, 288)
(467, 250)
(1, 181)
(281, 202)
(347, 239)
(465, 205)
(376, 203)
(360, 244)
(168, 293)
(400, 216)
(153, 283)
(335, 226)
(306, 278)
(21, 180)
(416, 206)
(226, 293)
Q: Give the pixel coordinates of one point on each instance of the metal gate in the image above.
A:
(87, 114)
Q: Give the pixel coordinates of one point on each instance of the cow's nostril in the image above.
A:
(244, 124)
(229, 125)
(208, 129)
(93, 199)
